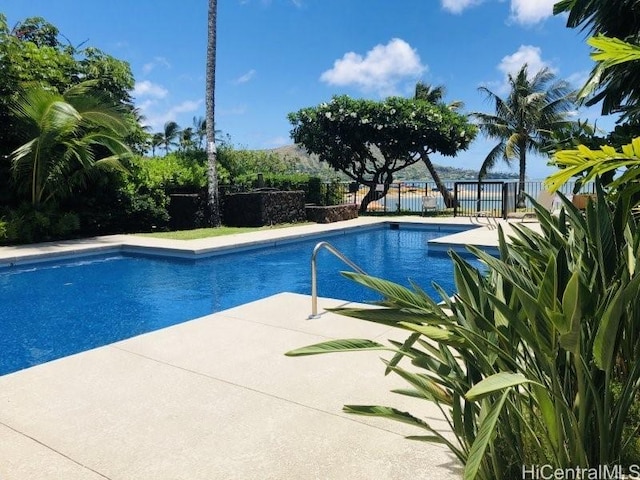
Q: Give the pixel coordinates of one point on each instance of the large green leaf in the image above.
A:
(608, 333)
(401, 296)
(385, 316)
(438, 334)
(483, 438)
(346, 345)
(387, 412)
(494, 383)
(407, 345)
(427, 386)
(572, 315)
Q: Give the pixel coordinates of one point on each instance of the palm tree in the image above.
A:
(214, 208)
(435, 95)
(170, 133)
(71, 136)
(200, 130)
(525, 120)
(186, 139)
(156, 141)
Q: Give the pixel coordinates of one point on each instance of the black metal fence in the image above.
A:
(496, 197)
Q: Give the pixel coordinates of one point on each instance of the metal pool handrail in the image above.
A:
(314, 272)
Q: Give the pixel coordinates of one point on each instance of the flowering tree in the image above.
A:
(370, 141)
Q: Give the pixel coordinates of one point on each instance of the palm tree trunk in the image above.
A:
(213, 201)
(523, 167)
(449, 201)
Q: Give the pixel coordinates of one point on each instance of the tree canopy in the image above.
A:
(32, 54)
(371, 140)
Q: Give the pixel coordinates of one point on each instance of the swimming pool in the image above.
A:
(55, 309)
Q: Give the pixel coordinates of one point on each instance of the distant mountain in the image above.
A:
(306, 163)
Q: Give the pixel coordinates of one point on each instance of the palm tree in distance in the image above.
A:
(435, 96)
(156, 141)
(170, 133)
(186, 139)
(212, 173)
(525, 120)
(200, 131)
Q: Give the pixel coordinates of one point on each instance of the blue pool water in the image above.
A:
(56, 309)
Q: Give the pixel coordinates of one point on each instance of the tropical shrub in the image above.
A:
(69, 137)
(324, 193)
(29, 224)
(120, 202)
(239, 166)
(536, 361)
(176, 171)
(3, 230)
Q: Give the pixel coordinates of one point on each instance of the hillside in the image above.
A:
(306, 163)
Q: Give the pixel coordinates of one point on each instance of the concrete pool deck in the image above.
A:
(215, 398)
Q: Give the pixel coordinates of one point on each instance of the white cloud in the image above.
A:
(511, 65)
(149, 89)
(457, 6)
(246, 77)
(156, 119)
(528, 54)
(380, 70)
(528, 12)
(578, 79)
(157, 61)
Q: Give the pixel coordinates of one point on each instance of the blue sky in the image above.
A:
(277, 56)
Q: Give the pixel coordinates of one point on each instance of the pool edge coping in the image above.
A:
(201, 248)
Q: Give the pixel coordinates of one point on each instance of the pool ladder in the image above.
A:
(314, 272)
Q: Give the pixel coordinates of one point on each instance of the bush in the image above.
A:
(323, 193)
(175, 172)
(3, 230)
(29, 224)
(122, 202)
(242, 166)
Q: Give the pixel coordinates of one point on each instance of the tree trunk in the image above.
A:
(212, 174)
(372, 195)
(368, 198)
(449, 201)
(523, 166)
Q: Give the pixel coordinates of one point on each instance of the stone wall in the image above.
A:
(187, 211)
(331, 213)
(259, 208)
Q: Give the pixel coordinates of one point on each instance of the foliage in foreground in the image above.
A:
(537, 362)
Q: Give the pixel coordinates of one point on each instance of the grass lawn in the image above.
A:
(214, 232)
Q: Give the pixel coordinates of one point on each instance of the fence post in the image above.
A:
(455, 199)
